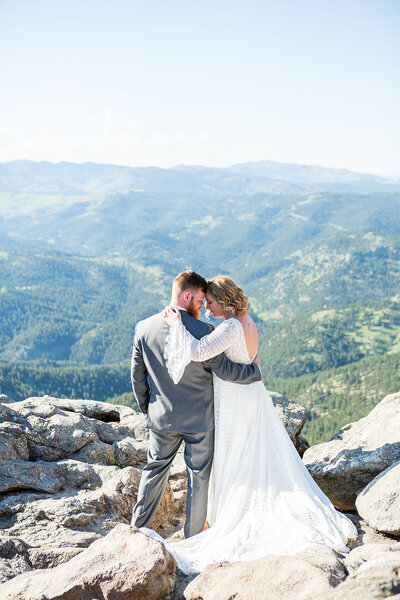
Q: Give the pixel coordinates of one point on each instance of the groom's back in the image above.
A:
(188, 405)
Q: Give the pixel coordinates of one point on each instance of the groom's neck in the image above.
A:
(189, 308)
(176, 302)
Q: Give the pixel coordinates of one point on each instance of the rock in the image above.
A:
(301, 445)
(22, 475)
(124, 565)
(86, 503)
(47, 557)
(6, 571)
(369, 545)
(14, 557)
(346, 464)
(86, 430)
(61, 433)
(379, 502)
(10, 547)
(12, 443)
(130, 452)
(292, 415)
(96, 452)
(62, 484)
(367, 552)
(9, 568)
(10, 415)
(305, 576)
(379, 578)
(5, 399)
(170, 513)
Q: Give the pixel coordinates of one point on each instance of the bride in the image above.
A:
(262, 499)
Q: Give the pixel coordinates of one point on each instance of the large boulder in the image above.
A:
(305, 576)
(379, 502)
(124, 565)
(346, 464)
(85, 430)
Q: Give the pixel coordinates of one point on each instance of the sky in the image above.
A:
(167, 82)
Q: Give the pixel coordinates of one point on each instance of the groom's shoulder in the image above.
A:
(148, 323)
(195, 326)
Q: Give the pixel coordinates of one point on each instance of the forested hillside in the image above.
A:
(88, 250)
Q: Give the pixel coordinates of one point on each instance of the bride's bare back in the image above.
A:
(250, 334)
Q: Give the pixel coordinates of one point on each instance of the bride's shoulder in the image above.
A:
(247, 323)
(232, 324)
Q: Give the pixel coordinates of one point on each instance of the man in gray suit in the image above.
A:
(181, 412)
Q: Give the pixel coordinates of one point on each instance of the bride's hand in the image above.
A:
(171, 316)
(255, 360)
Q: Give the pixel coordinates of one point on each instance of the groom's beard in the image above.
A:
(193, 311)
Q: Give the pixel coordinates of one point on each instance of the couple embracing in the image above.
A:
(199, 385)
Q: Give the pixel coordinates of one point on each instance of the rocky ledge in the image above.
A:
(69, 472)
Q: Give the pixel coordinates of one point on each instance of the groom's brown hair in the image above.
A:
(189, 280)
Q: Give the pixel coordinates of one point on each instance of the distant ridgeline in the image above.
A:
(88, 250)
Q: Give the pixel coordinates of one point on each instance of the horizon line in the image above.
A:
(392, 176)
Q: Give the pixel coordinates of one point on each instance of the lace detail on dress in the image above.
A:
(181, 347)
(177, 352)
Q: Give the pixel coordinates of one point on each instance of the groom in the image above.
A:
(181, 412)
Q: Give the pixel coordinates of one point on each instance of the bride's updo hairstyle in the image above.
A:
(227, 293)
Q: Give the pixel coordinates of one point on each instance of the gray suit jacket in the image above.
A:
(188, 406)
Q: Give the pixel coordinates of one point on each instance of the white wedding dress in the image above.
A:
(262, 499)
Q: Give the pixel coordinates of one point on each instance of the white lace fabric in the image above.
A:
(181, 347)
(262, 498)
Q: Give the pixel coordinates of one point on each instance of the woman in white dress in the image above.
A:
(262, 499)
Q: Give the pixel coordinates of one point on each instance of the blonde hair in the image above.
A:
(227, 293)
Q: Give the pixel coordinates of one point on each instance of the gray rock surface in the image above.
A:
(66, 504)
(293, 416)
(62, 484)
(4, 399)
(379, 502)
(346, 464)
(82, 502)
(378, 578)
(124, 565)
(369, 545)
(14, 557)
(306, 576)
(48, 557)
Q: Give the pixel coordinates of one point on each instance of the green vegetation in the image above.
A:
(330, 338)
(38, 378)
(336, 397)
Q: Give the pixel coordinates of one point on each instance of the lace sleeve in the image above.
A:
(181, 347)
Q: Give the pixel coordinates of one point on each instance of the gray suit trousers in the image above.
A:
(163, 446)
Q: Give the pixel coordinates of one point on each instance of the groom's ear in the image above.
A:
(186, 295)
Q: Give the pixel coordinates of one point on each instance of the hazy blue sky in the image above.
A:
(162, 82)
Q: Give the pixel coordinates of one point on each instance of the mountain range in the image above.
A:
(87, 250)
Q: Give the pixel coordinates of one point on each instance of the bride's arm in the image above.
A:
(182, 347)
(206, 347)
